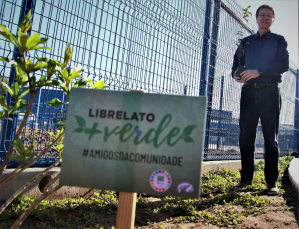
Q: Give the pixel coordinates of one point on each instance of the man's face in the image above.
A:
(263, 20)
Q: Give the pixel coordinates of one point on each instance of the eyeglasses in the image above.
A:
(266, 15)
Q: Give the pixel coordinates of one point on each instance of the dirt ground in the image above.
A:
(286, 217)
(274, 218)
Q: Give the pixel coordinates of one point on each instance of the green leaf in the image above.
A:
(65, 89)
(22, 40)
(67, 55)
(3, 102)
(17, 143)
(10, 119)
(16, 157)
(32, 81)
(75, 74)
(60, 127)
(42, 81)
(39, 47)
(25, 24)
(18, 112)
(80, 120)
(188, 139)
(35, 40)
(39, 65)
(61, 123)
(51, 67)
(64, 73)
(49, 83)
(100, 85)
(29, 150)
(27, 43)
(82, 82)
(9, 109)
(19, 63)
(55, 102)
(20, 104)
(30, 155)
(21, 77)
(8, 89)
(188, 130)
(8, 36)
(51, 135)
(60, 132)
(29, 66)
(79, 129)
(16, 89)
(55, 83)
(6, 59)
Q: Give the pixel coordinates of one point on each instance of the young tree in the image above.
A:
(58, 74)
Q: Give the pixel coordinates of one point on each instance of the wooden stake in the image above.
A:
(126, 210)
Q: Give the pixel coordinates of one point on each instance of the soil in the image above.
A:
(286, 217)
(272, 219)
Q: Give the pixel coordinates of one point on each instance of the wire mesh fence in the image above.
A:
(159, 46)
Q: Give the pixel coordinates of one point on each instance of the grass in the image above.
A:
(219, 204)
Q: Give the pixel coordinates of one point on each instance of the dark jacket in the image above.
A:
(267, 53)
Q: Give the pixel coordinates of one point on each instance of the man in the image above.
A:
(265, 59)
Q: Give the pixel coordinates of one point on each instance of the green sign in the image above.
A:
(134, 142)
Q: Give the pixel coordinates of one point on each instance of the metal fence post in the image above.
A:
(205, 49)
(220, 112)
(9, 127)
(211, 76)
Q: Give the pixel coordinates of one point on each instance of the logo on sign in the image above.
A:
(160, 180)
(185, 187)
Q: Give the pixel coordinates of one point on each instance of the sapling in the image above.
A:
(26, 82)
(240, 35)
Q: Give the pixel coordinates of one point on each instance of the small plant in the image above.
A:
(57, 74)
(240, 35)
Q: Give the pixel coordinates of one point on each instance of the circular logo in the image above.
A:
(160, 180)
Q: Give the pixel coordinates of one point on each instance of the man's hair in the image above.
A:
(264, 7)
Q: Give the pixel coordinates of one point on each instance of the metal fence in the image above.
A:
(179, 47)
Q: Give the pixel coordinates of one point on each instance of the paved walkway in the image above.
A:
(294, 174)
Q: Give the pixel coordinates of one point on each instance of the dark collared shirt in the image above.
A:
(267, 53)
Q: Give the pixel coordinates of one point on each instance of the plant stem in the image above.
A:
(19, 167)
(12, 197)
(22, 125)
(24, 56)
(36, 202)
(45, 190)
(19, 131)
(15, 173)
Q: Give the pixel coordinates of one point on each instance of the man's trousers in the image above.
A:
(262, 103)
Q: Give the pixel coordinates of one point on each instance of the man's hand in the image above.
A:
(249, 74)
(238, 79)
